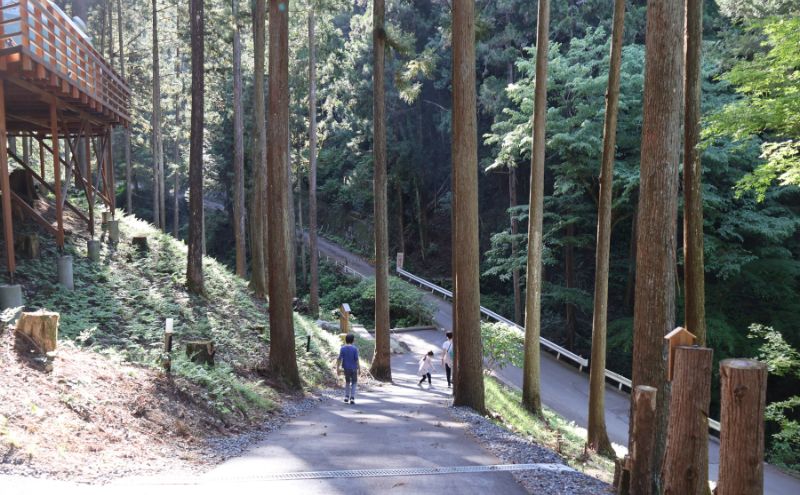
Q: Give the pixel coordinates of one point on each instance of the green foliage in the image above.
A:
(782, 361)
(769, 86)
(503, 345)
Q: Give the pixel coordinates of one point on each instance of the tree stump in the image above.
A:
(643, 439)
(113, 231)
(685, 471)
(201, 352)
(40, 328)
(139, 242)
(741, 451)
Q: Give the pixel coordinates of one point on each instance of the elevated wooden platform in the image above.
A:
(58, 91)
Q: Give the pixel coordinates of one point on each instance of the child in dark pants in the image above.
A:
(447, 357)
(425, 368)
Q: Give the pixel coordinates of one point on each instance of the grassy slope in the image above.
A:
(120, 304)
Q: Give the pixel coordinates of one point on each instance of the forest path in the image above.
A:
(565, 389)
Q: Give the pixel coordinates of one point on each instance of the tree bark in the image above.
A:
(194, 268)
(468, 384)
(312, 164)
(127, 145)
(401, 228)
(684, 471)
(303, 264)
(654, 306)
(282, 355)
(694, 283)
(381, 367)
(741, 451)
(643, 438)
(597, 435)
(177, 152)
(569, 279)
(259, 235)
(157, 142)
(531, 386)
(238, 147)
(512, 202)
(176, 175)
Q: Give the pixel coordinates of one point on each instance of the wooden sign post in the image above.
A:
(344, 318)
(166, 360)
(678, 337)
(400, 260)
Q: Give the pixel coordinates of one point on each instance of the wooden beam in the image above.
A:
(48, 98)
(112, 196)
(5, 186)
(90, 189)
(27, 209)
(57, 173)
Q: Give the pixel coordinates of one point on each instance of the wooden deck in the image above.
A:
(44, 55)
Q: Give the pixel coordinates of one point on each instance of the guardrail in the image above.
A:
(560, 351)
(345, 268)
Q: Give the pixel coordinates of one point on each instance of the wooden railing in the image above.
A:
(50, 42)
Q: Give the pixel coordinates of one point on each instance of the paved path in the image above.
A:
(566, 391)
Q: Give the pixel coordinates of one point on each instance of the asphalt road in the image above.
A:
(566, 390)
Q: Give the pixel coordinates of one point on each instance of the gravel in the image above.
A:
(513, 449)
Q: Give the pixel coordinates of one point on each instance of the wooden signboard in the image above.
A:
(678, 337)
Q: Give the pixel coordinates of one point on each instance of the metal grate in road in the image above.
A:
(387, 472)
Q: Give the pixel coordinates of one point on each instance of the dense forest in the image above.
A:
(750, 153)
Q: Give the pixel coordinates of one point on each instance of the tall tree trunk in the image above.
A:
(282, 356)
(401, 228)
(258, 218)
(597, 435)
(158, 146)
(194, 268)
(654, 306)
(421, 223)
(128, 172)
(312, 164)
(531, 386)
(103, 27)
(303, 264)
(694, 283)
(176, 175)
(381, 362)
(110, 10)
(512, 203)
(569, 279)
(238, 147)
(177, 152)
(468, 384)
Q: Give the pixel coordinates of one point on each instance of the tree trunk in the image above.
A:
(741, 450)
(381, 367)
(685, 472)
(282, 356)
(693, 274)
(303, 265)
(401, 228)
(259, 234)
(654, 306)
(420, 219)
(177, 206)
(597, 434)
(512, 202)
(194, 268)
(238, 147)
(531, 386)
(569, 279)
(642, 439)
(128, 189)
(157, 144)
(468, 384)
(177, 156)
(312, 164)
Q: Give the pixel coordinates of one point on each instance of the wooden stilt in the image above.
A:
(40, 139)
(87, 141)
(57, 176)
(5, 186)
(112, 193)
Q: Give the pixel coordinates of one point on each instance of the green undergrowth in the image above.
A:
(120, 305)
(552, 431)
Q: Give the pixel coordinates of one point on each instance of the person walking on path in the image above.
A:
(348, 360)
(447, 357)
(425, 368)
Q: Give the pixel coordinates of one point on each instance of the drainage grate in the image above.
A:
(375, 473)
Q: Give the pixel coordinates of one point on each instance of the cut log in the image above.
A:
(643, 440)
(201, 352)
(741, 452)
(685, 470)
(140, 243)
(113, 231)
(41, 329)
(28, 246)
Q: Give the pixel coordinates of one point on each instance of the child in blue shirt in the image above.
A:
(348, 359)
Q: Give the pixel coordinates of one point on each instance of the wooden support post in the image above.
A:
(5, 187)
(88, 179)
(741, 452)
(57, 175)
(685, 471)
(41, 157)
(643, 440)
(112, 196)
(167, 358)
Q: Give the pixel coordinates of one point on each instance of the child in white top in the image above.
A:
(425, 368)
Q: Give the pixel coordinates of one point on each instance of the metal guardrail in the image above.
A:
(560, 351)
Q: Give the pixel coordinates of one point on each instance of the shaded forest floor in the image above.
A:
(107, 409)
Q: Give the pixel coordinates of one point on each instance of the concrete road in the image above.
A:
(566, 390)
